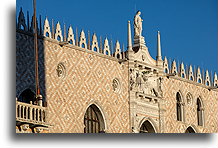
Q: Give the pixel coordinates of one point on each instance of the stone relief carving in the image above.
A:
(116, 85)
(61, 70)
(189, 99)
(146, 82)
(132, 78)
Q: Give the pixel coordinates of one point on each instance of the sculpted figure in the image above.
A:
(138, 80)
(138, 24)
(132, 78)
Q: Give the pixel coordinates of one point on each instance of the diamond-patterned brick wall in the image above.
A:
(88, 80)
(25, 66)
(209, 98)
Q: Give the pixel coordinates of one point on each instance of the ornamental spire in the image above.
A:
(159, 57)
(129, 39)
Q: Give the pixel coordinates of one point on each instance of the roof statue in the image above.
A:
(138, 24)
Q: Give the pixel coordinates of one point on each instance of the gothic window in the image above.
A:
(107, 53)
(191, 78)
(83, 45)
(179, 107)
(199, 80)
(207, 83)
(22, 27)
(147, 127)
(95, 49)
(118, 55)
(199, 112)
(71, 41)
(26, 96)
(189, 130)
(166, 70)
(93, 120)
(183, 75)
(47, 34)
(59, 38)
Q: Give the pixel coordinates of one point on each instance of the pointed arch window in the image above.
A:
(166, 70)
(27, 96)
(93, 120)
(199, 112)
(179, 107)
(147, 127)
(190, 130)
(183, 75)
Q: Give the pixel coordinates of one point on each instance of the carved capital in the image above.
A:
(38, 129)
(24, 127)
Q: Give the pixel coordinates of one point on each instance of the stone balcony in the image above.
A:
(30, 118)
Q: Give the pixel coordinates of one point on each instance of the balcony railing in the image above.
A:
(30, 113)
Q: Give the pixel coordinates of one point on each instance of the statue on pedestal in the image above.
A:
(137, 24)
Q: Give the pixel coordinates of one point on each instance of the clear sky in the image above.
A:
(188, 27)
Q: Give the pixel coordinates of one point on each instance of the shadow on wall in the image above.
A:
(25, 60)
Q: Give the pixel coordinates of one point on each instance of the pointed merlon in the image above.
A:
(174, 68)
(165, 60)
(106, 47)
(207, 78)
(46, 30)
(117, 46)
(215, 83)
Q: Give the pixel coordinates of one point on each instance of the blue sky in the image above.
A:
(188, 27)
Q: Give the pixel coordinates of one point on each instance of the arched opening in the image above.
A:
(83, 45)
(47, 34)
(58, 38)
(207, 83)
(93, 120)
(183, 75)
(147, 127)
(107, 53)
(71, 41)
(118, 55)
(22, 27)
(190, 130)
(179, 106)
(26, 96)
(199, 112)
(199, 80)
(166, 70)
(191, 78)
(95, 49)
